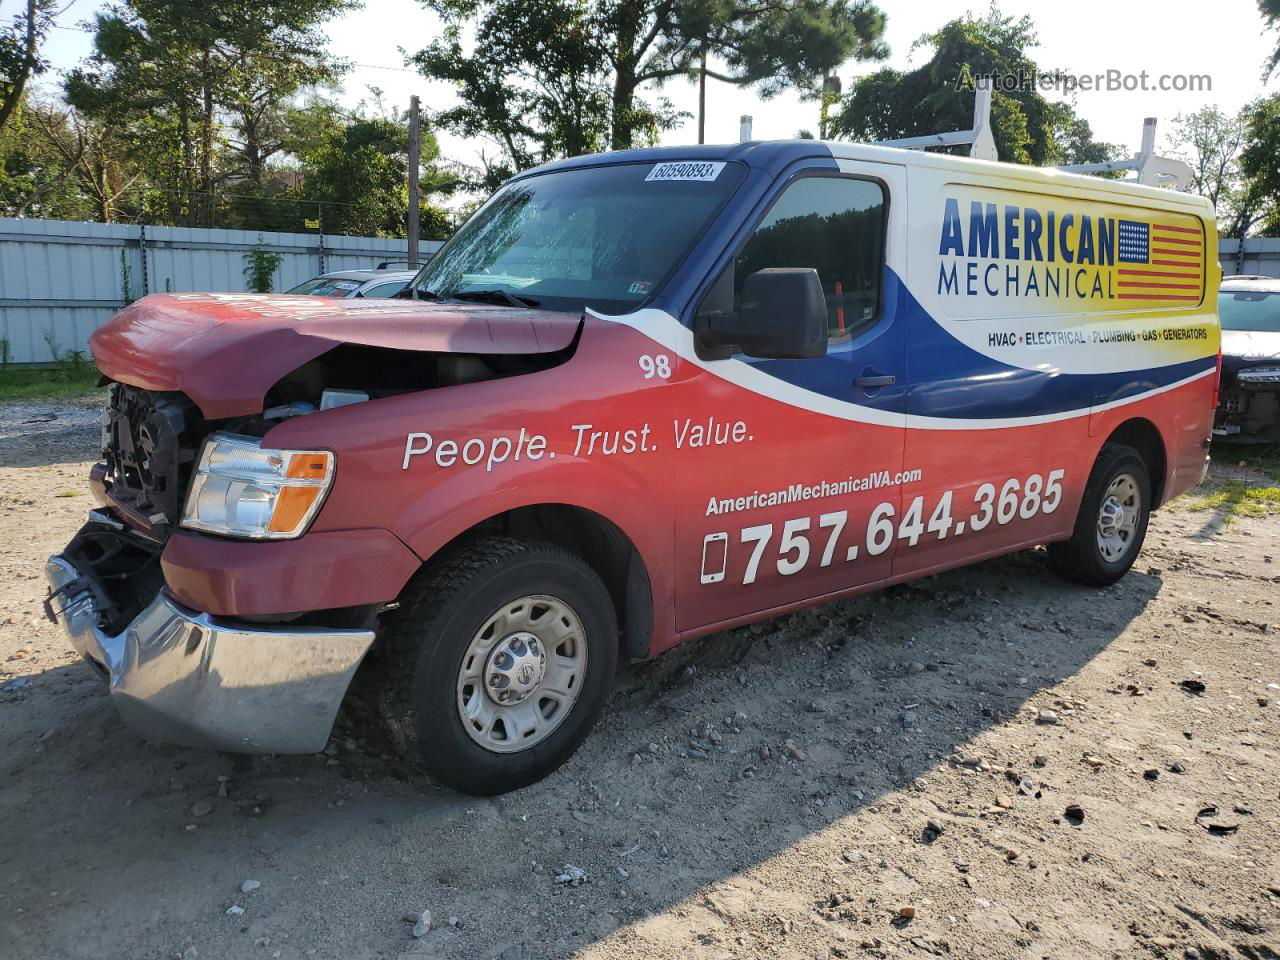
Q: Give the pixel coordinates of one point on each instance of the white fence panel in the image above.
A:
(1261, 256)
(60, 280)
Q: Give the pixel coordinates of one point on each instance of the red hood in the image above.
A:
(225, 350)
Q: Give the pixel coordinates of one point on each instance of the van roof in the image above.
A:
(774, 156)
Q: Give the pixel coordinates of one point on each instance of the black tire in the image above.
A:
(1081, 559)
(425, 641)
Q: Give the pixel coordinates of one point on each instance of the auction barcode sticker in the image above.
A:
(686, 170)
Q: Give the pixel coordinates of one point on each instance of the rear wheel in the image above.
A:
(498, 663)
(1112, 521)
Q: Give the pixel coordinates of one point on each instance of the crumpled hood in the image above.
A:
(1247, 348)
(225, 350)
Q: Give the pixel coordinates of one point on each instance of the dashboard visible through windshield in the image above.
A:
(601, 237)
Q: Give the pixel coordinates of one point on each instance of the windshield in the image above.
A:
(327, 287)
(603, 237)
(1249, 310)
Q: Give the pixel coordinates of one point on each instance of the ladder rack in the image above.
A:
(1151, 170)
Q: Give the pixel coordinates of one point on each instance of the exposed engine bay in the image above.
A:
(151, 439)
(353, 372)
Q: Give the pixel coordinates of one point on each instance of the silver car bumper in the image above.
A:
(184, 677)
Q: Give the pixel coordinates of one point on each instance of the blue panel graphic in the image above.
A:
(945, 378)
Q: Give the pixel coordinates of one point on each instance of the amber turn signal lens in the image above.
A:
(308, 466)
(292, 505)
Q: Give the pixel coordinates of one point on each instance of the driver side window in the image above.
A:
(835, 225)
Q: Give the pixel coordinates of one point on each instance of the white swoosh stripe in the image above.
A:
(664, 329)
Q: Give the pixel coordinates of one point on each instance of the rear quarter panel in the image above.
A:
(1053, 309)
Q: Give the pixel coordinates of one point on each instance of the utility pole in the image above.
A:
(414, 152)
(702, 99)
(830, 97)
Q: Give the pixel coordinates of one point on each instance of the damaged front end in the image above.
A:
(176, 674)
(217, 626)
(180, 676)
(1249, 404)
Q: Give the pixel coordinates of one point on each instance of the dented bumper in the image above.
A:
(182, 676)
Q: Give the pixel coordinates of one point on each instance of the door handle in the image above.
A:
(870, 383)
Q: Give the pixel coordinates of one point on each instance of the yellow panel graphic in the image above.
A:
(1055, 254)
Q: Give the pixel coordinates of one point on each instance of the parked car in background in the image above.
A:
(377, 284)
(1249, 400)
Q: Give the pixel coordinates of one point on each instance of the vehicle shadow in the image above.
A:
(711, 759)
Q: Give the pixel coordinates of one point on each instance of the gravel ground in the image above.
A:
(899, 775)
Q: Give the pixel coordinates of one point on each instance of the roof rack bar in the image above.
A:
(982, 144)
(1153, 171)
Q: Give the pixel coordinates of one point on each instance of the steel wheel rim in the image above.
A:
(521, 674)
(1118, 517)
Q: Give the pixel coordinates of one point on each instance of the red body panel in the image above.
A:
(224, 351)
(317, 572)
(398, 497)
(659, 497)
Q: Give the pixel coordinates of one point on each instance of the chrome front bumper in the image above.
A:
(184, 677)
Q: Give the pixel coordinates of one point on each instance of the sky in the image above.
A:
(1083, 37)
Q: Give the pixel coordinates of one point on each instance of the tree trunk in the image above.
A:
(624, 95)
(185, 180)
(206, 134)
(101, 189)
(253, 160)
(24, 71)
(626, 61)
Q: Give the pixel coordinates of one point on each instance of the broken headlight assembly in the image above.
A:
(1269, 375)
(241, 489)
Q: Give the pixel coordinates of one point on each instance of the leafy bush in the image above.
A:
(260, 266)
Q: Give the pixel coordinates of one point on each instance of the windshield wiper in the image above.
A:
(425, 294)
(495, 296)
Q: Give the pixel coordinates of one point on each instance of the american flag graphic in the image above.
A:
(1133, 240)
(1159, 261)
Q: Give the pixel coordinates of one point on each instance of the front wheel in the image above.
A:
(498, 663)
(1112, 521)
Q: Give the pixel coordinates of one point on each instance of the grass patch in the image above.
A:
(1237, 499)
(62, 381)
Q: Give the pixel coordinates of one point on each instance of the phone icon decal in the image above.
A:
(715, 557)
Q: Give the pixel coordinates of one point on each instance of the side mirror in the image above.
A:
(783, 316)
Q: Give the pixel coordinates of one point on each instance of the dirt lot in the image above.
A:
(795, 789)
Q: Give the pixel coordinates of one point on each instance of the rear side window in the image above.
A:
(383, 290)
(835, 225)
(326, 287)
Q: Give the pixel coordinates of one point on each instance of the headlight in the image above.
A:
(242, 490)
(1259, 375)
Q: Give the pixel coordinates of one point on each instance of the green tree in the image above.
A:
(549, 78)
(938, 96)
(1260, 196)
(1271, 14)
(357, 177)
(20, 53)
(178, 66)
(37, 178)
(98, 155)
(1210, 141)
